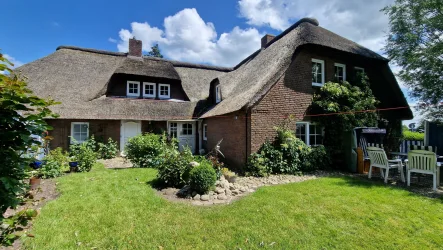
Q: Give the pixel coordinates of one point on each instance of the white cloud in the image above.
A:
(360, 21)
(112, 40)
(14, 61)
(55, 24)
(186, 36)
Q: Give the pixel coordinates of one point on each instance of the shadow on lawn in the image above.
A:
(362, 181)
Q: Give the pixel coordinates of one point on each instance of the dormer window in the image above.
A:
(217, 94)
(133, 89)
(149, 89)
(164, 91)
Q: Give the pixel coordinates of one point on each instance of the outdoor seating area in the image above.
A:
(417, 161)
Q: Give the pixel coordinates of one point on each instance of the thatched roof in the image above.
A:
(254, 76)
(146, 67)
(78, 78)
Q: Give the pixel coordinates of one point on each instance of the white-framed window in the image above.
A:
(217, 94)
(79, 131)
(340, 72)
(318, 72)
(133, 89)
(309, 133)
(149, 89)
(164, 91)
(359, 70)
(186, 129)
(205, 132)
(173, 129)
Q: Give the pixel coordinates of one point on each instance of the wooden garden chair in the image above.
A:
(423, 162)
(379, 159)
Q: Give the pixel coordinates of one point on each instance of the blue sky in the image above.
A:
(214, 32)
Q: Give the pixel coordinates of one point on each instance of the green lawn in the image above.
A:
(116, 209)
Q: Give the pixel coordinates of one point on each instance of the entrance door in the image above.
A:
(185, 133)
(128, 129)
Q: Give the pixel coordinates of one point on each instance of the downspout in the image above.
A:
(247, 137)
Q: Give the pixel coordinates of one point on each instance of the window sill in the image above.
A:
(317, 84)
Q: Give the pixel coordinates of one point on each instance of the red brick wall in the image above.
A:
(233, 133)
(292, 94)
(101, 129)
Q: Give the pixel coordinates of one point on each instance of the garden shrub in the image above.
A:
(296, 153)
(86, 157)
(149, 150)
(75, 146)
(175, 168)
(107, 150)
(413, 136)
(286, 155)
(202, 178)
(274, 158)
(55, 163)
(318, 159)
(257, 166)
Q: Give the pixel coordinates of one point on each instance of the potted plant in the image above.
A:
(73, 165)
(35, 174)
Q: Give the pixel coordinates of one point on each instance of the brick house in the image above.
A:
(119, 95)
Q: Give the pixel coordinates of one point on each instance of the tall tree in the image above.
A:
(415, 43)
(155, 52)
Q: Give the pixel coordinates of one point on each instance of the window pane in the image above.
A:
(84, 128)
(76, 128)
(316, 72)
(319, 139)
(76, 136)
(312, 129)
(312, 140)
(300, 131)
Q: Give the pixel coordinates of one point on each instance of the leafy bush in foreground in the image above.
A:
(149, 150)
(202, 178)
(286, 155)
(54, 164)
(174, 170)
(107, 150)
(86, 157)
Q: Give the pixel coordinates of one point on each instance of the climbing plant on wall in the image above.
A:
(340, 107)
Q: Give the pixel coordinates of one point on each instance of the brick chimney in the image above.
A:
(135, 47)
(266, 39)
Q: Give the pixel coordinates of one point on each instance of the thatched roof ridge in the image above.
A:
(191, 65)
(103, 52)
(251, 79)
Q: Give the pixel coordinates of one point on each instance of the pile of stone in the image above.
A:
(226, 192)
